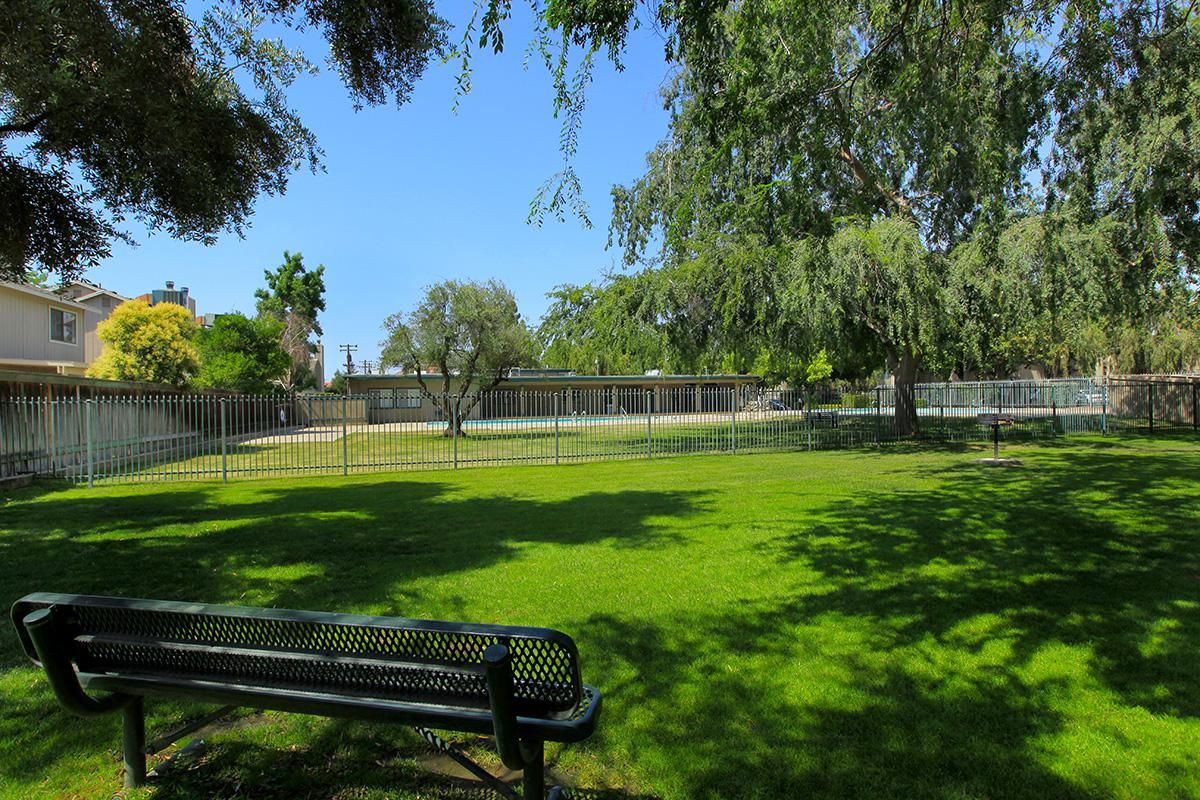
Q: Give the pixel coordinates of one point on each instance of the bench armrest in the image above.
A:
(45, 632)
(497, 667)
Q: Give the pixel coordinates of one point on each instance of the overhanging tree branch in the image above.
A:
(27, 126)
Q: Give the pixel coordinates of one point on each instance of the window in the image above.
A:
(381, 398)
(395, 398)
(408, 398)
(62, 326)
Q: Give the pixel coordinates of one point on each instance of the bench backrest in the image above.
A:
(390, 658)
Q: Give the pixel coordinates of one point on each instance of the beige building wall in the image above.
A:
(25, 332)
(544, 396)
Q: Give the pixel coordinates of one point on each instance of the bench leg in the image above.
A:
(133, 742)
(533, 778)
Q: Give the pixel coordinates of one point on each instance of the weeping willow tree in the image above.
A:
(902, 152)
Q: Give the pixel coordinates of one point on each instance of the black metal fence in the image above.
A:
(191, 436)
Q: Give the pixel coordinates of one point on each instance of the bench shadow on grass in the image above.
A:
(953, 636)
(348, 546)
(331, 764)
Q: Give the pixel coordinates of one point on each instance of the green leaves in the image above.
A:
(901, 151)
(131, 109)
(153, 344)
(293, 298)
(876, 279)
(471, 333)
(241, 354)
(292, 289)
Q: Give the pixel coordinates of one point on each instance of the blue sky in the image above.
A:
(415, 194)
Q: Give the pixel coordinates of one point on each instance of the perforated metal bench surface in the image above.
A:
(420, 672)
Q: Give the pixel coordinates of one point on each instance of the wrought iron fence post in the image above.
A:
(808, 416)
(224, 444)
(454, 431)
(649, 433)
(557, 402)
(1195, 405)
(878, 414)
(1150, 391)
(942, 411)
(345, 444)
(89, 406)
(733, 419)
(1104, 406)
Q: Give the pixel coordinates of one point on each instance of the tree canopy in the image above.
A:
(132, 109)
(604, 329)
(470, 332)
(241, 354)
(154, 344)
(292, 299)
(880, 178)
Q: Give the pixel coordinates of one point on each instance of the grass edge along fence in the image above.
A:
(191, 436)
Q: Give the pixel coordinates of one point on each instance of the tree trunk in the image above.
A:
(454, 418)
(905, 372)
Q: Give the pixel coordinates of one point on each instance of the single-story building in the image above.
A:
(548, 393)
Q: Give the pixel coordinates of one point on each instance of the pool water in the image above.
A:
(470, 423)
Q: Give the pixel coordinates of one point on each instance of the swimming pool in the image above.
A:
(472, 423)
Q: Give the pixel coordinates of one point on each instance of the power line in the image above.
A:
(348, 349)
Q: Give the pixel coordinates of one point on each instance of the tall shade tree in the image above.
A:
(605, 329)
(688, 317)
(471, 332)
(153, 344)
(791, 121)
(174, 115)
(879, 278)
(177, 114)
(1032, 294)
(293, 298)
(241, 354)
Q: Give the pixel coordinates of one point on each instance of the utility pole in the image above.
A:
(368, 367)
(348, 349)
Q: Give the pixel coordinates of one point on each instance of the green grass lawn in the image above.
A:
(875, 623)
(382, 448)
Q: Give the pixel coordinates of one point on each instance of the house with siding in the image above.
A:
(44, 331)
(102, 301)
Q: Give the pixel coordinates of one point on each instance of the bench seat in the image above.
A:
(520, 684)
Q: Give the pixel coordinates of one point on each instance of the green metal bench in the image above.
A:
(520, 684)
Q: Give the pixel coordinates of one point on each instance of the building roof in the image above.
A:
(88, 289)
(21, 376)
(43, 294)
(101, 290)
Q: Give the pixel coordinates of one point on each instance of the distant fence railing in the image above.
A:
(190, 436)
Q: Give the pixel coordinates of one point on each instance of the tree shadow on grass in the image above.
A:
(1023, 633)
(1093, 549)
(707, 731)
(359, 540)
(314, 546)
(1016, 634)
